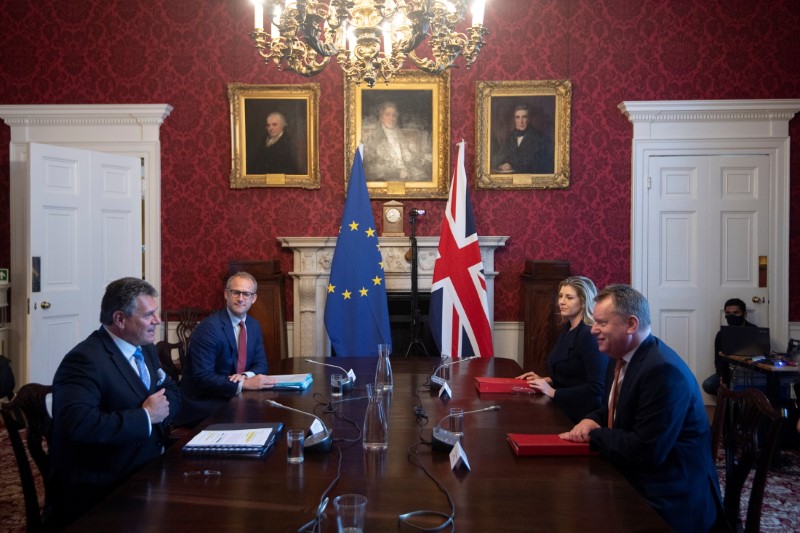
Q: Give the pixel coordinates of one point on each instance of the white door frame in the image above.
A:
(129, 129)
(710, 127)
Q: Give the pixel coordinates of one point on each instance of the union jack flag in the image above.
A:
(459, 312)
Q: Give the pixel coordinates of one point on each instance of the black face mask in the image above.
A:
(734, 320)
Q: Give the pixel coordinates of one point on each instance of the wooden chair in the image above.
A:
(747, 427)
(28, 411)
(188, 318)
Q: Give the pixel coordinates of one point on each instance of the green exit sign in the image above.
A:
(3, 274)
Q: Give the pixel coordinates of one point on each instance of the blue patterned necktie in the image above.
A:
(143, 372)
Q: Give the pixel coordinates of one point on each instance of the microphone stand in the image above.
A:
(443, 440)
(415, 325)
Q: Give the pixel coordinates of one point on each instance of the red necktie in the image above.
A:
(612, 401)
(241, 363)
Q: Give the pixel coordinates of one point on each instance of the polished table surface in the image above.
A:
(501, 492)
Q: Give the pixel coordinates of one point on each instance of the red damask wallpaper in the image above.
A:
(185, 52)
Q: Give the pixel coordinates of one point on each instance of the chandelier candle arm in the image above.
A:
(370, 39)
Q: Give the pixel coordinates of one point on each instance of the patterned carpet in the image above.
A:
(12, 505)
(781, 511)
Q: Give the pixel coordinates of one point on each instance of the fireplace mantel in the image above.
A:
(312, 264)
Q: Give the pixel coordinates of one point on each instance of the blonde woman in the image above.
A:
(576, 367)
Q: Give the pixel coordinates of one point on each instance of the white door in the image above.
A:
(86, 230)
(707, 237)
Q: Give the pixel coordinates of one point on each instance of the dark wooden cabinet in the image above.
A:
(269, 308)
(540, 281)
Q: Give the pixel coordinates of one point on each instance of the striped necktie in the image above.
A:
(143, 372)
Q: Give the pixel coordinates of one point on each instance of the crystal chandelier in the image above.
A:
(371, 39)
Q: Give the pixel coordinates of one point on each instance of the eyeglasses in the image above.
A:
(244, 294)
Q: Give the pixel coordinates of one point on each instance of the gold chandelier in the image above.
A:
(304, 35)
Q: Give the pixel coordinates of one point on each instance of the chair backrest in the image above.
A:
(188, 318)
(747, 427)
(28, 411)
(164, 349)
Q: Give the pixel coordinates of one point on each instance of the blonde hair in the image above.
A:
(586, 291)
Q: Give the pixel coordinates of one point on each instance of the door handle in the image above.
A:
(756, 300)
(45, 305)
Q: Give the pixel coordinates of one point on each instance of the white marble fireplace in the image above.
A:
(312, 263)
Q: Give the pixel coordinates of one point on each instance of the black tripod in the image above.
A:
(416, 347)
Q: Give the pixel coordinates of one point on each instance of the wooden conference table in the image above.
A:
(501, 492)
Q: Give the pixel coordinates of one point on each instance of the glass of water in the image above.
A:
(294, 441)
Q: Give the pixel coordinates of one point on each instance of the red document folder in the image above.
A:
(535, 444)
(503, 385)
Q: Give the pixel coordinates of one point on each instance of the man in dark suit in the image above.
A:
(659, 435)
(275, 154)
(111, 403)
(527, 150)
(218, 367)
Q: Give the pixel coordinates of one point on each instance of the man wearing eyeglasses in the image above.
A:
(226, 354)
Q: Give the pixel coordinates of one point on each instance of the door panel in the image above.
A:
(85, 220)
(704, 238)
(742, 204)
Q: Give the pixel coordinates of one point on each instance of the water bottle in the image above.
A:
(376, 428)
(383, 372)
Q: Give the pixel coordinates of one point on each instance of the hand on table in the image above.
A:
(580, 433)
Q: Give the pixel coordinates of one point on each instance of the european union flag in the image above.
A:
(356, 311)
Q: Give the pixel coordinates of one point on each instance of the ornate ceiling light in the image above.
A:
(305, 34)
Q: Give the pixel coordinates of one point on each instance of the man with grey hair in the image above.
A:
(112, 403)
(653, 426)
(396, 153)
(275, 154)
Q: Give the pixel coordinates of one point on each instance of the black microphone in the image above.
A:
(437, 381)
(347, 385)
(443, 440)
(417, 212)
(318, 442)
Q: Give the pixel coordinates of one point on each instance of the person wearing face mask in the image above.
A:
(735, 315)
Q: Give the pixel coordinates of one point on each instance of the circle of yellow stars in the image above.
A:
(363, 291)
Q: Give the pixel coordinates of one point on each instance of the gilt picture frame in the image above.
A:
(407, 156)
(523, 134)
(274, 135)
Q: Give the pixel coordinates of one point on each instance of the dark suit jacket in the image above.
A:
(534, 154)
(101, 433)
(578, 371)
(213, 354)
(276, 159)
(661, 439)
